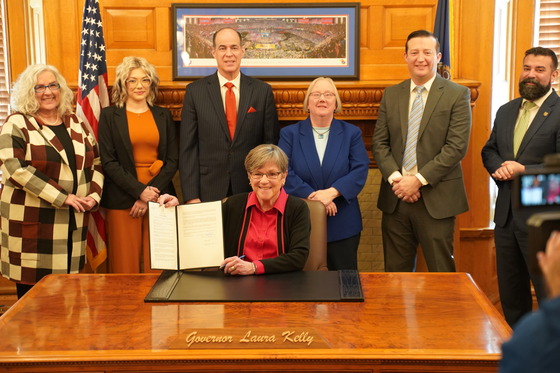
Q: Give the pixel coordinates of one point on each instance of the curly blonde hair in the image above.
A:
(23, 98)
(119, 94)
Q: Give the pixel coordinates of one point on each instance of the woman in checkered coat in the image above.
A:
(51, 179)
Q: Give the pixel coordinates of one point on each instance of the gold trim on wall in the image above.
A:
(360, 100)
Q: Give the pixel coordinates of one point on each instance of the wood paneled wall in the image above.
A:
(143, 28)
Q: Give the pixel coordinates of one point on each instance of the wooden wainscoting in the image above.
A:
(478, 257)
(475, 254)
(360, 102)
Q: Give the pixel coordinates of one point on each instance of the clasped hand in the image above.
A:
(407, 188)
(326, 197)
(80, 204)
(150, 193)
(508, 170)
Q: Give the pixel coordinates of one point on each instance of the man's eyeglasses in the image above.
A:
(42, 88)
(269, 175)
(134, 82)
(317, 95)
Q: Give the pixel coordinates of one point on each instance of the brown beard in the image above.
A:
(532, 93)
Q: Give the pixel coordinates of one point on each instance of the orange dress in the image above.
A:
(128, 245)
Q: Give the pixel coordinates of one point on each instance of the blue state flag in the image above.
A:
(442, 30)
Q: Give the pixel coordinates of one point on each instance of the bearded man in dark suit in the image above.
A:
(516, 145)
(212, 148)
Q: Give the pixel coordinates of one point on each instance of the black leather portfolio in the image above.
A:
(215, 286)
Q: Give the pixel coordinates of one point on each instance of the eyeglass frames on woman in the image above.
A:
(145, 82)
(317, 95)
(269, 175)
(42, 88)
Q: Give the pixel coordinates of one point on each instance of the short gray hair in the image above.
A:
(261, 154)
(335, 91)
(23, 98)
(119, 94)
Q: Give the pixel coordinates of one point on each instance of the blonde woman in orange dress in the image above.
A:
(139, 153)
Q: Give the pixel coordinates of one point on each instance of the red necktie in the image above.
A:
(231, 109)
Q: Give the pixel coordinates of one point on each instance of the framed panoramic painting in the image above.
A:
(292, 41)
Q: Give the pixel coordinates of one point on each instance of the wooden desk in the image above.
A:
(411, 322)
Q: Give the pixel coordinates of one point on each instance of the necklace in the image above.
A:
(137, 113)
(56, 121)
(320, 135)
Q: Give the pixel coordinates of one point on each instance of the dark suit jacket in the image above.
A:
(296, 227)
(542, 138)
(209, 160)
(122, 187)
(443, 140)
(345, 167)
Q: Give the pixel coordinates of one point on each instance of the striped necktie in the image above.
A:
(522, 125)
(409, 159)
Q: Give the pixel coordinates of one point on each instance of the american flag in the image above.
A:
(92, 96)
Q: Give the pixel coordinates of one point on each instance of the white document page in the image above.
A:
(163, 236)
(201, 241)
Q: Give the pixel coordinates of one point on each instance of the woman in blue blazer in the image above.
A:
(328, 162)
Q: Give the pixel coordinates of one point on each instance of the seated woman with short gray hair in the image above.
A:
(266, 230)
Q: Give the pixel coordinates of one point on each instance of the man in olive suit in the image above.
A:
(421, 136)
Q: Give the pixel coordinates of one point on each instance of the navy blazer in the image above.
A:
(122, 187)
(542, 138)
(345, 167)
(209, 159)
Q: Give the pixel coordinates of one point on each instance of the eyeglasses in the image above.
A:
(317, 95)
(42, 88)
(134, 82)
(269, 175)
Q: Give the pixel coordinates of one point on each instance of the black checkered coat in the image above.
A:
(36, 179)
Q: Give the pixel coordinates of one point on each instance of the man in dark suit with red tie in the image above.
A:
(225, 115)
